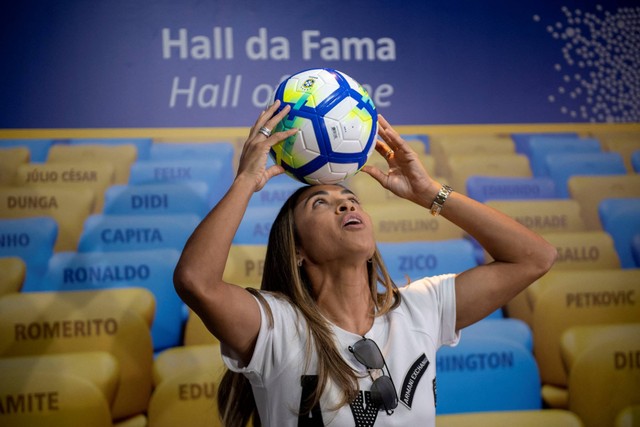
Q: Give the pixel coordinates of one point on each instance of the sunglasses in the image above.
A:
(383, 392)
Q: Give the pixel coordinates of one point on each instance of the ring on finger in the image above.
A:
(389, 153)
(265, 131)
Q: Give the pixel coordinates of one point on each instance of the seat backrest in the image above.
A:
(192, 151)
(535, 418)
(563, 166)
(32, 240)
(409, 222)
(629, 416)
(584, 250)
(176, 360)
(255, 225)
(216, 173)
(11, 158)
(98, 367)
(187, 398)
(95, 175)
(543, 216)
(511, 329)
(245, 265)
(120, 156)
(68, 207)
(157, 199)
(463, 166)
(625, 144)
(589, 191)
(563, 299)
(112, 233)
(621, 219)
(541, 148)
(415, 260)
(486, 374)
(443, 147)
(635, 161)
(113, 321)
(38, 148)
(143, 145)
(13, 274)
(44, 399)
(151, 270)
(522, 140)
(483, 188)
(275, 192)
(603, 376)
(635, 249)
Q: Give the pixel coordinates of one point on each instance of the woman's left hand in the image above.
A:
(406, 177)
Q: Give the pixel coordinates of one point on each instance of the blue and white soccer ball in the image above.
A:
(337, 124)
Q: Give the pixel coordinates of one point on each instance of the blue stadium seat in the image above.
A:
(635, 249)
(255, 225)
(635, 161)
(151, 270)
(143, 145)
(486, 374)
(158, 199)
(563, 166)
(483, 188)
(109, 233)
(418, 259)
(540, 148)
(522, 139)
(511, 329)
(31, 239)
(39, 148)
(621, 219)
(192, 151)
(216, 173)
(275, 192)
(419, 137)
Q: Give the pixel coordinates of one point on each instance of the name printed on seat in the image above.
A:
(601, 299)
(31, 202)
(97, 274)
(14, 240)
(28, 403)
(578, 253)
(476, 361)
(194, 391)
(70, 175)
(552, 222)
(131, 235)
(65, 329)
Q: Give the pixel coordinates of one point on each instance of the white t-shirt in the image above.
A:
(408, 337)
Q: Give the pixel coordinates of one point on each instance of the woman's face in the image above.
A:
(332, 225)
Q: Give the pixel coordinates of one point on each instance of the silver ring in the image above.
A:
(265, 131)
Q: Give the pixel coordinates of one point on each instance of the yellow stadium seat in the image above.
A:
(628, 417)
(185, 399)
(177, 360)
(13, 273)
(10, 160)
(195, 333)
(115, 321)
(444, 147)
(245, 264)
(584, 250)
(464, 165)
(99, 368)
(564, 299)
(69, 207)
(624, 144)
(409, 222)
(139, 420)
(604, 371)
(120, 156)
(51, 399)
(544, 417)
(589, 191)
(97, 176)
(543, 216)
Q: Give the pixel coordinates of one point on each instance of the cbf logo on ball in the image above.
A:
(337, 124)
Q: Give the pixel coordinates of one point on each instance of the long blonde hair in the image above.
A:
(283, 277)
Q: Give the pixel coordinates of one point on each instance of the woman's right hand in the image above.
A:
(253, 159)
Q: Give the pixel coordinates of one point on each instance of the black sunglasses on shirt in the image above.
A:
(383, 391)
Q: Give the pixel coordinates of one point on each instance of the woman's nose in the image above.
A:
(346, 205)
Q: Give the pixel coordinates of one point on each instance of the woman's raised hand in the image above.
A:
(406, 177)
(253, 159)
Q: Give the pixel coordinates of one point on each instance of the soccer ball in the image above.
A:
(337, 124)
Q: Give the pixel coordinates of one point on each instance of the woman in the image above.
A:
(319, 344)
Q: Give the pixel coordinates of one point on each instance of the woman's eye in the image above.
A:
(354, 200)
(318, 202)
